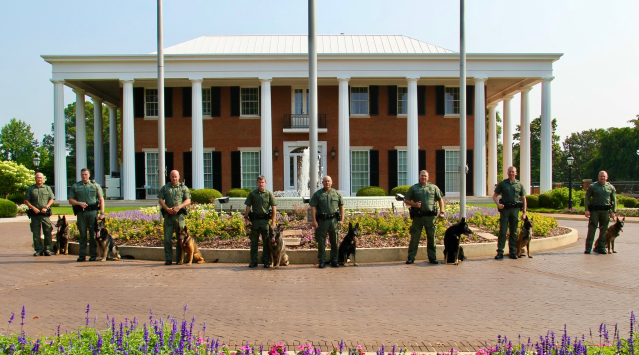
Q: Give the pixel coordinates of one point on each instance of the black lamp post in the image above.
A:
(36, 161)
(570, 160)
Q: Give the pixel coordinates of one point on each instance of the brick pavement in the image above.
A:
(423, 307)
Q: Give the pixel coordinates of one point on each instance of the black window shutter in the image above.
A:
(187, 163)
(236, 169)
(373, 101)
(259, 101)
(187, 103)
(168, 160)
(140, 175)
(374, 167)
(235, 101)
(469, 176)
(421, 100)
(392, 101)
(392, 170)
(422, 160)
(138, 102)
(440, 101)
(440, 170)
(349, 100)
(470, 100)
(217, 170)
(216, 104)
(168, 102)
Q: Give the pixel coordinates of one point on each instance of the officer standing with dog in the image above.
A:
(421, 198)
(39, 198)
(327, 212)
(87, 199)
(258, 203)
(511, 191)
(174, 198)
(599, 212)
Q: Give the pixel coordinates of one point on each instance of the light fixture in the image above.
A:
(306, 199)
(222, 201)
(276, 152)
(333, 153)
(570, 160)
(399, 197)
(36, 160)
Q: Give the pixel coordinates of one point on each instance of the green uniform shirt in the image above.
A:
(426, 194)
(39, 196)
(88, 193)
(260, 201)
(327, 202)
(601, 195)
(174, 195)
(510, 191)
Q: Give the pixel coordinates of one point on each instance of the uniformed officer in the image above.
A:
(257, 204)
(599, 212)
(422, 197)
(325, 205)
(511, 190)
(88, 199)
(39, 198)
(173, 197)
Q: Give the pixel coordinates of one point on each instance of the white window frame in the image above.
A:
(353, 113)
(259, 166)
(399, 171)
(451, 169)
(399, 100)
(205, 102)
(157, 109)
(446, 101)
(242, 114)
(304, 102)
(146, 173)
(367, 150)
(210, 158)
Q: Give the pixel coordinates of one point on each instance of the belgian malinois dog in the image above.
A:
(525, 235)
(61, 244)
(189, 248)
(277, 247)
(612, 233)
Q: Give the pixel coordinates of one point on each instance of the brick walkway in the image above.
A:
(423, 307)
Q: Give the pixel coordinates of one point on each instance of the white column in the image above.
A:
(59, 141)
(113, 139)
(524, 141)
(80, 134)
(507, 158)
(197, 134)
(98, 140)
(492, 147)
(546, 136)
(344, 138)
(479, 156)
(128, 142)
(412, 138)
(267, 132)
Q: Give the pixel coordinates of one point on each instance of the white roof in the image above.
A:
(298, 44)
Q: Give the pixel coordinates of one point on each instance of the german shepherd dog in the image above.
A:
(107, 250)
(189, 248)
(61, 244)
(612, 233)
(348, 246)
(277, 247)
(525, 235)
(453, 251)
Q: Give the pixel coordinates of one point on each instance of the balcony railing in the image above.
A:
(302, 121)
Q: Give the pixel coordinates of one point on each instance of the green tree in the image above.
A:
(14, 178)
(584, 147)
(17, 143)
(559, 172)
(617, 154)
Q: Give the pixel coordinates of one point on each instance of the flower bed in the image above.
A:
(627, 212)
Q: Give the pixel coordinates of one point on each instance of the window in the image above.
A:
(359, 101)
(402, 100)
(250, 102)
(152, 174)
(151, 102)
(359, 170)
(250, 168)
(452, 101)
(208, 170)
(301, 102)
(401, 168)
(206, 102)
(452, 172)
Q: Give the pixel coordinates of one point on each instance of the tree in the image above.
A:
(17, 143)
(617, 154)
(14, 178)
(584, 147)
(559, 173)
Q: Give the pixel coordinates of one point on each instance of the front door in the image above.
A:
(294, 166)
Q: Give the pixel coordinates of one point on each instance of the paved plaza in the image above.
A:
(423, 307)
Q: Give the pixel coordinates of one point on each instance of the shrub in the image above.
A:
(8, 209)
(400, 190)
(371, 191)
(14, 177)
(238, 192)
(558, 198)
(631, 202)
(545, 200)
(204, 195)
(532, 201)
(18, 199)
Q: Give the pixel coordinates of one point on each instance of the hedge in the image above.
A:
(18, 199)
(403, 189)
(627, 201)
(532, 201)
(8, 209)
(558, 198)
(371, 191)
(204, 195)
(238, 192)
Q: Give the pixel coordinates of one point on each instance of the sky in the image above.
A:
(595, 83)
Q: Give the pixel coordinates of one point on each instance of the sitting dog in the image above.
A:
(612, 233)
(107, 250)
(189, 248)
(525, 235)
(277, 247)
(453, 251)
(61, 244)
(349, 245)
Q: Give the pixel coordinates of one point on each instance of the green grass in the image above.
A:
(69, 210)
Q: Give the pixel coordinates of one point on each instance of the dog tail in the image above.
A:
(212, 261)
(129, 257)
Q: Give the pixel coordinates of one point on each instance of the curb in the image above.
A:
(364, 255)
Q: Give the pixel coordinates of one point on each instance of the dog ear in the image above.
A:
(463, 220)
(357, 226)
(350, 225)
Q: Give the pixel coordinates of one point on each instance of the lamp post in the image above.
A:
(570, 160)
(36, 161)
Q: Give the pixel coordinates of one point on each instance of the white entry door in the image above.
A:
(294, 165)
(293, 152)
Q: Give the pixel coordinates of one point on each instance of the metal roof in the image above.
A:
(298, 44)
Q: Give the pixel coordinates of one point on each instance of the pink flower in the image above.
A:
(359, 347)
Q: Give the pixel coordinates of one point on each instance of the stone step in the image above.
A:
(291, 232)
(290, 242)
(486, 235)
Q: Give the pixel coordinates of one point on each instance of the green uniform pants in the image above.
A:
(43, 221)
(508, 220)
(419, 223)
(172, 224)
(257, 228)
(85, 222)
(329, 227)
(601, 218)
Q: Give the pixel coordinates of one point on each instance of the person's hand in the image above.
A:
(44, 210)
(418, 204)
(613, 215)
(440, 215)
(101, 215)
(523, 216)
(315, 224)
(273, 225)
(587, 214)
(35, 210)
(83, 204)
(500, 206)
(340, 223)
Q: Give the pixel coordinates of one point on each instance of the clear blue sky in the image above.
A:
(595, 84)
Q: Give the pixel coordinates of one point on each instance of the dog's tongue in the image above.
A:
(621, 229)
(272, 240)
